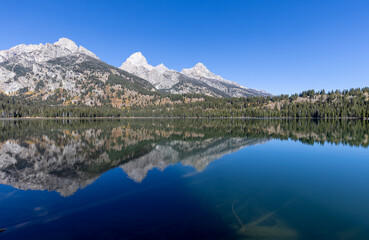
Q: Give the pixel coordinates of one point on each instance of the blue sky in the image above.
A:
(279, 46)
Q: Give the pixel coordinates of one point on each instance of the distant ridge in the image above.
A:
(194, 80)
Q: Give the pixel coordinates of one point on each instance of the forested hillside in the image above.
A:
(352, 103)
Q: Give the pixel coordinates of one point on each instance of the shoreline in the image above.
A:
(184, 118)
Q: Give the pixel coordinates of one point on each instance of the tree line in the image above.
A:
(353, 103)
(148, 132)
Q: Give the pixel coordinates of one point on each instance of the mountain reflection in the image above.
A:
(66, 155)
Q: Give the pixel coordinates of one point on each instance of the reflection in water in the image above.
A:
(64, 156)
(259, 194)
(67, 160)
(197, 154)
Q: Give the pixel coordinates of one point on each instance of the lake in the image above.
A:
(184, 179)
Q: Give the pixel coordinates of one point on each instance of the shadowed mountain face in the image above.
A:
(65, 156)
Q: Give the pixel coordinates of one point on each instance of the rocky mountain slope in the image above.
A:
(66, 74)
(71, 73)
(194, 80)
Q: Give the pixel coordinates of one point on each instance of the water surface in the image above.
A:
(184, 179)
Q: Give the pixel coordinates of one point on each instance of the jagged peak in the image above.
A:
(44, 52)
(137, 59)
(200, 65)
(161, 65)
(161, 68)
(67, 43)
(163, 78)
(72, 46)
(199, 70)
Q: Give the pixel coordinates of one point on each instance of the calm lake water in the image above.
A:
(184, 179)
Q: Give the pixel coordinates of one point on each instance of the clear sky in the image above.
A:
(279, 46)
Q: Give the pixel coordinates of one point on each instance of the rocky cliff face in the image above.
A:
(39, 71)
(194, 80)
(27, 65)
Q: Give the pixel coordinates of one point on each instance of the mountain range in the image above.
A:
(72, 74)
(197, 80)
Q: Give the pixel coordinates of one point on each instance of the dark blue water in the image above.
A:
(170, 181)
